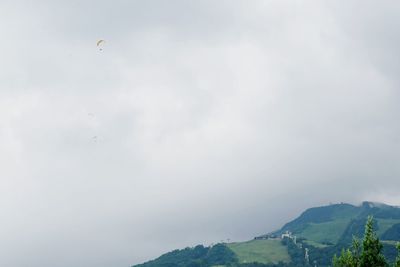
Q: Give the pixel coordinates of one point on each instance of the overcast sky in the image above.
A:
(198, 121)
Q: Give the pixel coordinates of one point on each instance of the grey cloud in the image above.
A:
(213, 120)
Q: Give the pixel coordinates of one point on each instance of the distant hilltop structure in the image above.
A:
(267, 236)
(289, 235)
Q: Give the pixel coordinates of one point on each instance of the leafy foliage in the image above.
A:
(349, 257)
(198, 256)
(371, 248)
(397, 262)
(371, 251)
(295, 251)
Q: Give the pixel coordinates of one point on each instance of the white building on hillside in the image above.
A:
(289, 235)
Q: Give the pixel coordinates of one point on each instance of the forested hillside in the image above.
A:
(311, 239)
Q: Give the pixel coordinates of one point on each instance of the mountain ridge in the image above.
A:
(314, 236)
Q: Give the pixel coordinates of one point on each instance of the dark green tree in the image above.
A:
(367, 255)
(397, 262)
(371, 254)
(348, 257)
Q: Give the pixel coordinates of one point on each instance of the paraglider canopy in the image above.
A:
(100, 43)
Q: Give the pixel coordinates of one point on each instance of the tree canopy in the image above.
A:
(367, 255)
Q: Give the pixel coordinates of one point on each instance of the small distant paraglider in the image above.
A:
(100, 44)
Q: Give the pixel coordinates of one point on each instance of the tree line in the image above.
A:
(366, 252)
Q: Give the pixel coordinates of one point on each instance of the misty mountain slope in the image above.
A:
(323, 231)
(322, 215)
(337, 223)
(323, 225)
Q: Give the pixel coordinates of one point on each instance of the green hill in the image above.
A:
(335, 224)
(262, 251)
(322, 231)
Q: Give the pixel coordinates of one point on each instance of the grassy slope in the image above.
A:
(262, 251)
(385, 224)
(325, 232)
(316, 234)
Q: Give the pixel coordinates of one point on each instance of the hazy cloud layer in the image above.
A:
(199, 121)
